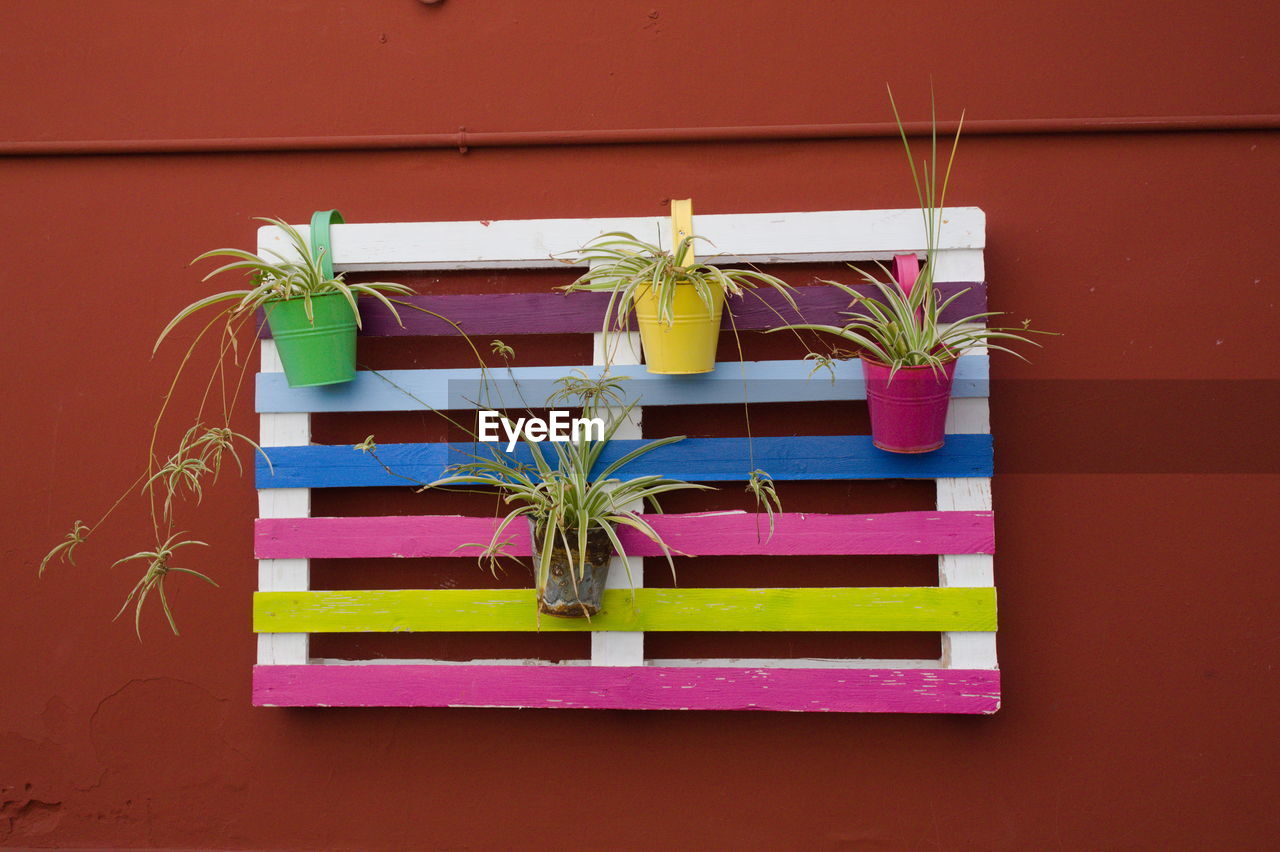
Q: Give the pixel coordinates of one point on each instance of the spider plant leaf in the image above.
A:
(637, 453)
(164, 604)
(829, 329)
(204, 577)
(193, 308)
(254, 264)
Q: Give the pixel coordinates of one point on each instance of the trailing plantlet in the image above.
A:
(158, 568)
(760, 486)
(321, 305)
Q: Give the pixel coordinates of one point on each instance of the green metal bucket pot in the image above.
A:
(319, 353)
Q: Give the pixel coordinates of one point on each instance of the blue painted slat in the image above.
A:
(694, 459)
(412, 390)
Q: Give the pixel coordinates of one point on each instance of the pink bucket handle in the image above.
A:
(906, 269)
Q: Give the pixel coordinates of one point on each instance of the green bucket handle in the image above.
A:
(320, 240)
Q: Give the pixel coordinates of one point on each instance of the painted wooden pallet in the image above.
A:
(961, 607)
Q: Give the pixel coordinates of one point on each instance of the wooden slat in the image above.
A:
(621, 647)
(722, 534)
(278, 575)
(967, 650)
(470, 388)
(796, 237)
(693, 459)
(583, 313)
(472, 610)
(630, 688)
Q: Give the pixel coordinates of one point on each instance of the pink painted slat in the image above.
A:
(630, 688)
(745, 534)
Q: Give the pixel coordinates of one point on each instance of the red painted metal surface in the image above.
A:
(1136, 633)
(463, 140)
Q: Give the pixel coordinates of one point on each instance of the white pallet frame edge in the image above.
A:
(283, 575)
(973, 650)
(814, 236)
(620, 648)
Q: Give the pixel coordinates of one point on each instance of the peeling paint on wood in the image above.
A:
(634, 687)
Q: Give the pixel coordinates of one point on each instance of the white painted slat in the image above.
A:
(283, 575)
(755, 237)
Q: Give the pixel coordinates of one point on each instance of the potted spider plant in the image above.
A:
(311, 311)
(574, 511)
(908, 353)
(678, 301)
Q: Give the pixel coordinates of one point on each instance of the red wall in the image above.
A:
(1137, 608)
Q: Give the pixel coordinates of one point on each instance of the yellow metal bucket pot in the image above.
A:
(688, 345)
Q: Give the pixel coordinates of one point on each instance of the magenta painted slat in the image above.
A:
(696, 535)
(630, 688)
(559, 313)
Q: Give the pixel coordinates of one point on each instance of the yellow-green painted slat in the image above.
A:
(835, 609)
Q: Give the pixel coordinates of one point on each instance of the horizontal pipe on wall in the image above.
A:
(463, 139)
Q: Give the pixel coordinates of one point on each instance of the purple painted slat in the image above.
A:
(560, 313)
(630, 688)
(703, 534)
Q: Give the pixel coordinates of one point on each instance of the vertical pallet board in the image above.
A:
(620, 649)
(969, 416)
(283, 575)
(618, 675)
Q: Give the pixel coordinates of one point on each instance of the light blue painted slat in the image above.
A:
(411, 390)
(694, 459)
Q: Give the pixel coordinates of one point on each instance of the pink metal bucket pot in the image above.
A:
(909, 412)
